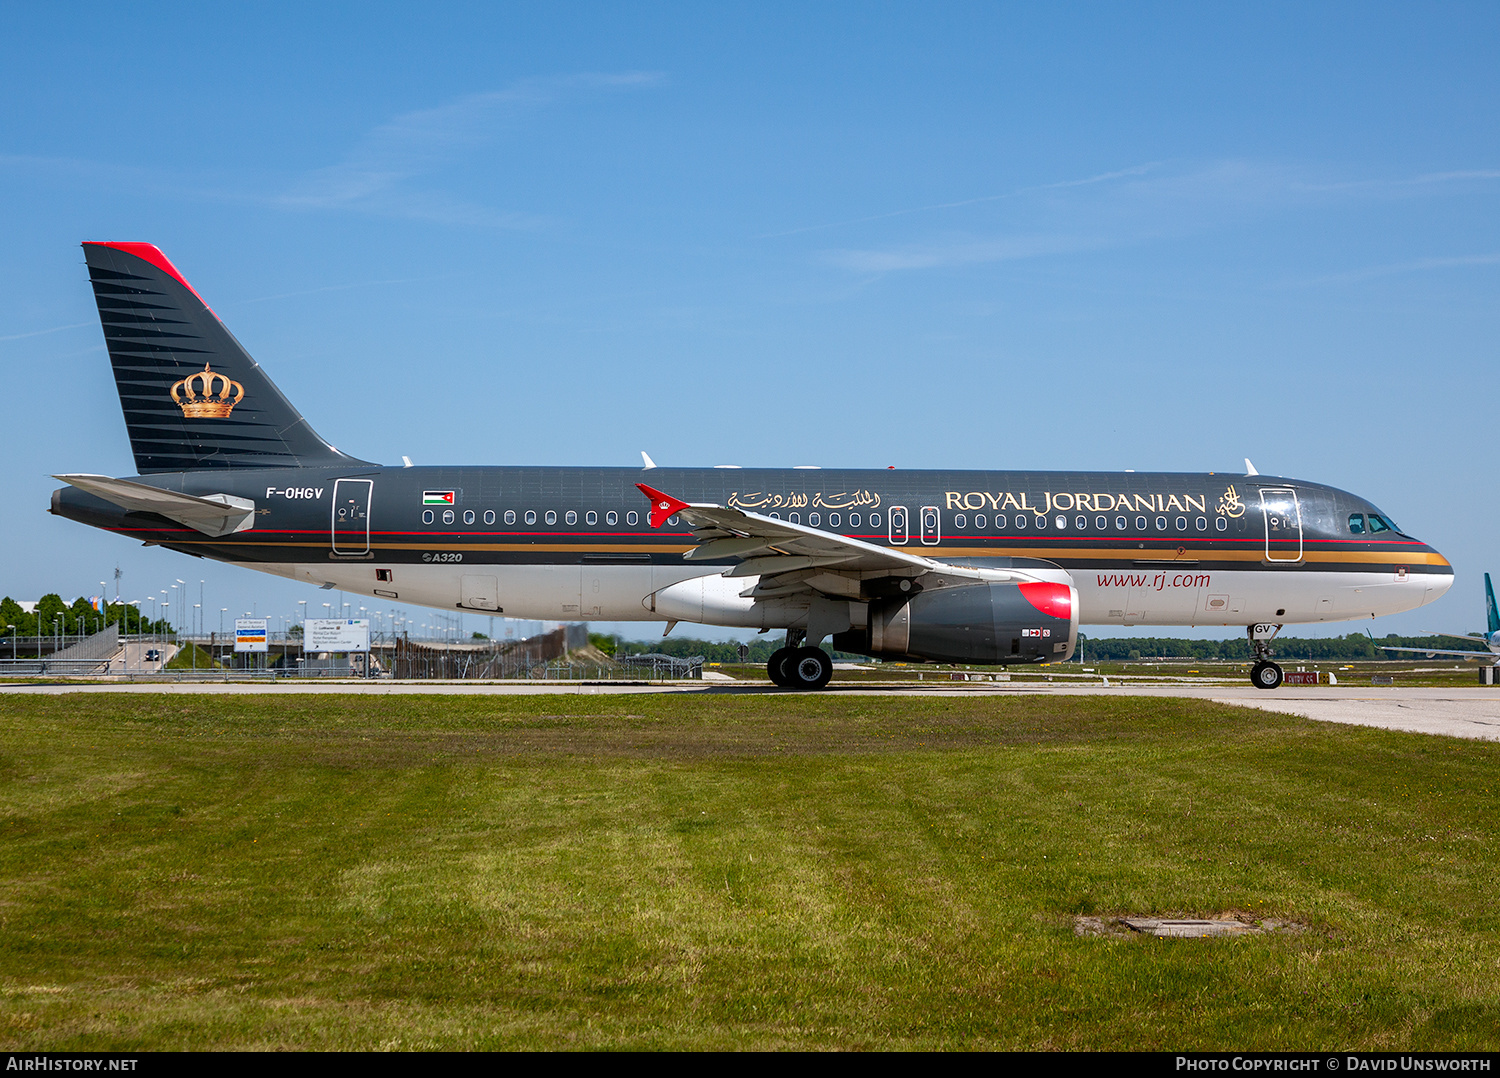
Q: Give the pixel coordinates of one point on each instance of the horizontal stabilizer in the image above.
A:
(213, 514)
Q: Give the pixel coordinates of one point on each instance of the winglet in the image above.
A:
(662, 505)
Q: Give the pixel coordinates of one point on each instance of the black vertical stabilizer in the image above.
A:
(193, 397)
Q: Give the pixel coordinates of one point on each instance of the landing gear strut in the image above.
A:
(1264, 674)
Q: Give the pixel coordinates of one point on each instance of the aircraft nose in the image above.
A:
(1439, 576)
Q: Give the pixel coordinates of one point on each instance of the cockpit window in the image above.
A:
(1357, 523)
(1378, 524)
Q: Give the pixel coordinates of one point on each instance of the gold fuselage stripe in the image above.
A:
(1120, 554)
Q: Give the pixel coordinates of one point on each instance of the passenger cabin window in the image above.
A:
(572, 517)
(468, 516)
(531, 516)
(489, 516)
(1356, 524)
(631, 517)
(611, 517)
(874, 520)
(426, 516)
(814, 519)
(853, 520)
(447, 516)
(959, 521)
(591, 518)
(978, 520)
(510, 516)
(833, 520)
(551, 516)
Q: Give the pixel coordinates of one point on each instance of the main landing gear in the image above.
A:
(1264, 674)
(798, 667)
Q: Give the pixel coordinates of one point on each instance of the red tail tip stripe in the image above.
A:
(662, 505)
(151, 253)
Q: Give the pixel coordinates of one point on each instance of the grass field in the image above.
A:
(734, 872)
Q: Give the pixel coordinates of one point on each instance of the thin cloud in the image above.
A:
(1103, 177)
(1418, 265)
(374, 177)
(957, 253)
(44, 332)
(330, 288)
(383, 174)
(1143, 203)
(1406, 183)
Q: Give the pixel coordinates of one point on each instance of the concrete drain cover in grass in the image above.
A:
(1177, 928)
(1187, 929)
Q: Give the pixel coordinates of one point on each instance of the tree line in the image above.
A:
(1353, 647)
(79, 618)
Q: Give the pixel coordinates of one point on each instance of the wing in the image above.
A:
(1443, 651)
(789, 558)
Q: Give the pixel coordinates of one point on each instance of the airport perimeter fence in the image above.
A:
(547, 657)
(541, 658)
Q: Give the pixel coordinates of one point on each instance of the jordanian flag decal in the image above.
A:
(437, 497)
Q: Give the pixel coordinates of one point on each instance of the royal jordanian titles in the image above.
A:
(915, 566)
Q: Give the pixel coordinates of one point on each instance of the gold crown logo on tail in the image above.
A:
(207, 394)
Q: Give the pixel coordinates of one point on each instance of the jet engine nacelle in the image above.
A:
(1029, 622)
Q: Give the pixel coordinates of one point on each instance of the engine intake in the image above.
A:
(1030, 622)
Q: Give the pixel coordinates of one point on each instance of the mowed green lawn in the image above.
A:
(736, 871)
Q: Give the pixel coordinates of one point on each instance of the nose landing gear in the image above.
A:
(1264, 674)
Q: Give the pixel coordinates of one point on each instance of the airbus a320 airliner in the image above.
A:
(917, 566)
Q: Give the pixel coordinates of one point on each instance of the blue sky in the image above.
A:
(1105, 237)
